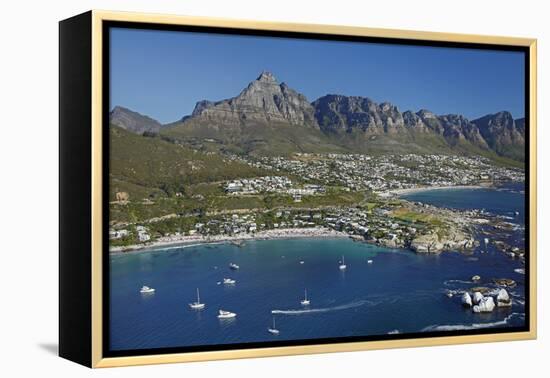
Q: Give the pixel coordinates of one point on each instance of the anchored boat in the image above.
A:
(343, 265)
(273, 330)
(305, 301)
(197, 305)
(146, 289)
(226, 314)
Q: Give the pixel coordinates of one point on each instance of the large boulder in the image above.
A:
(506, 282)
(503, 299)
(477, 297)
(486, 304)
(428, 243)
(466, 300)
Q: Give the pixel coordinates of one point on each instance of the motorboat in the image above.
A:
(146, 290)
(228, 281)
(226, 314)
(233, 266)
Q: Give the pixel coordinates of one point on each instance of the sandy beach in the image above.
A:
(400, 192)
(186, 240)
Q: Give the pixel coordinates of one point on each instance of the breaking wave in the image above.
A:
(320, 310)
(466, 327)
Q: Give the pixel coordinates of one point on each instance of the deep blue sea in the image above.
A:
(399, 292)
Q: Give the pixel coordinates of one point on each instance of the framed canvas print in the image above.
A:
(236, 189)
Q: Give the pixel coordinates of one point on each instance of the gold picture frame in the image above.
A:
(93, 264)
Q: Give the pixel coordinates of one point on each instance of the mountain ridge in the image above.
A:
(270, 118)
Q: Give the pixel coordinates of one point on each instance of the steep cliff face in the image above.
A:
(263, 101)
(503, 134)
(336, 113)
(350, 114)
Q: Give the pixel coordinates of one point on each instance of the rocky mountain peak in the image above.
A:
(267, 77)
(133, 121)
(263, 101)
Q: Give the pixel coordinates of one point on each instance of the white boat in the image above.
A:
(302, 262)
(273, 330)
(226, 314)
(233, 266)
(486, 240)
(305, 301)
(228, 281)
(369, 261)
(146, 289)
(343, 265)
(197, 305)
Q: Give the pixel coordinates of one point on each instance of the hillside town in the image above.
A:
(387, 172)
(381, 217)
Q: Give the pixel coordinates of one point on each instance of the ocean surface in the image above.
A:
(399, 292)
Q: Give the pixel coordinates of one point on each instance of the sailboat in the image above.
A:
(197, 305)
(273, 330)
(305, 301)
(343, 265)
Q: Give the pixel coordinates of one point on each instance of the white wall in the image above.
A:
(28, 154)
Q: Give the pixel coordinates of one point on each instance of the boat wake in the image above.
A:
(466, 327)
(451, 282)
(320, 310)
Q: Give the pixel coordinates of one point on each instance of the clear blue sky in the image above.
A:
(163, 74)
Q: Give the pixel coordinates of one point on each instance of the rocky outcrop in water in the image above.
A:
(503, 299)
(466, 300)
(486, 304)
(436, 241)
(477, 297)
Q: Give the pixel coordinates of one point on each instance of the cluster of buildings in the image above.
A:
(141, 232)
(387, 172)
(271, 184)
(350, 172)
(257, 185)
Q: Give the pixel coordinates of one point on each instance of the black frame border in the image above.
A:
(107, 25)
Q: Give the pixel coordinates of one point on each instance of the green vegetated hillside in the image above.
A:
(149, 166)
(269, 139)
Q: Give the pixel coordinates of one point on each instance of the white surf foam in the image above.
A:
(465, 327)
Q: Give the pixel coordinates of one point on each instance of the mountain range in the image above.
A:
(268, 118)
